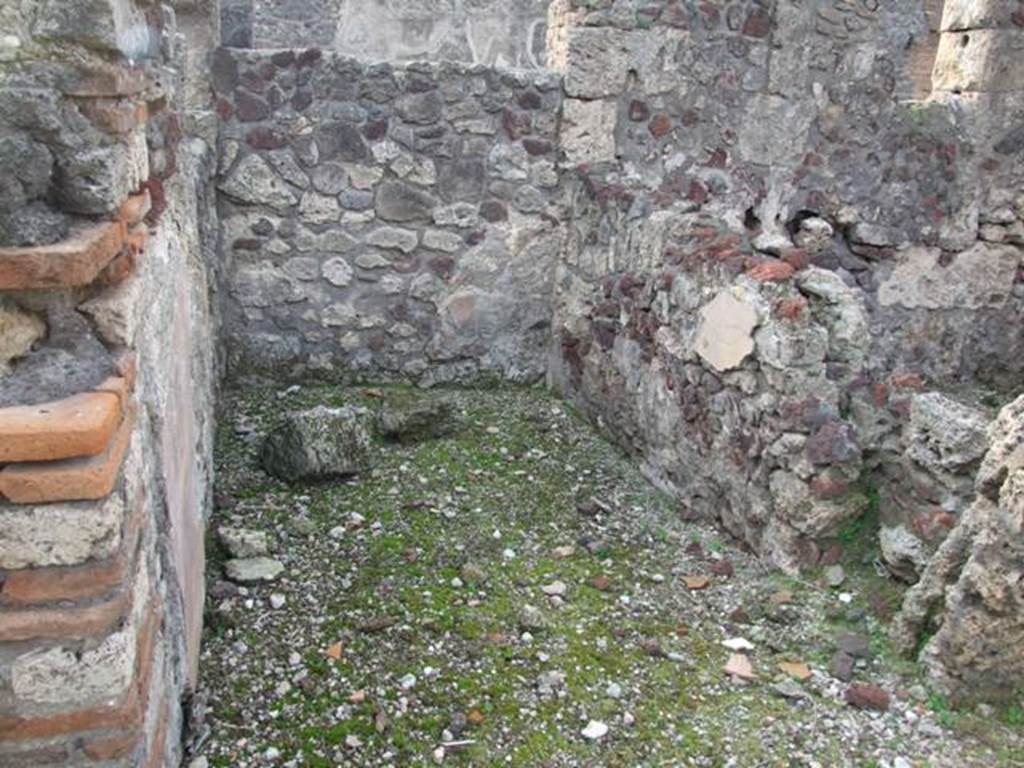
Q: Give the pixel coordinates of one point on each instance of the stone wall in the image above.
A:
(384, 221)
(506, 33)
(775, 252)
(106, 369)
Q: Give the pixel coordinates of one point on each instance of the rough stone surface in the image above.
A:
(509, 33)
(319, 443)
(430, 207)
(19, 331)
(418, 420)
(59, 534)
(253, 570)
(969, 594)
(725, 334)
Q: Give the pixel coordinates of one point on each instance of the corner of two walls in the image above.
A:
(101, 524)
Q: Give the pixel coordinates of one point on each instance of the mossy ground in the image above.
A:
(502, 494)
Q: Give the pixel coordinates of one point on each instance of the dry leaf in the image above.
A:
(601, 583)
(796, 669)
(334, 652)
(739, 666)
(696, 582)
(357, 697)
(476, 717)
(378, 624)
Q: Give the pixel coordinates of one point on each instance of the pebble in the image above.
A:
(738, 644)
(272, 753)
(456, 583)
(277, 601)
(555, 589)
(407, 682)
(614, 691)
(595, 730)
(835, 576)
(337, 532)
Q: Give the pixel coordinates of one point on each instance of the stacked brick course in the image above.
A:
(95, 614)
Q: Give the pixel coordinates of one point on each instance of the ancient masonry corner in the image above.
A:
(106, 400)
(776, 249)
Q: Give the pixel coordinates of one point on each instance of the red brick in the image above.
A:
(158, 744)
(81, 425)
(79, 479)
(127, 714)
(771, 272)
(112, 747)
(135, 208)
(74, 262)
(116, 116)
(99, 80)
(64, 623)
(118, 386)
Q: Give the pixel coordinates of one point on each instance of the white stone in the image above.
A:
(440, 240)
(555, 589)
(337, 272)
(588, 131)
(339, 316)
(253, 569)
(980, 277)
(19, 330)
(59, 534)
(595, 730)
(738, 644)
(255, 183)
(319, 209)
(404, 240)
(725, 335)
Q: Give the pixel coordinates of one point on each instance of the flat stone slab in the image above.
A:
(252, 570)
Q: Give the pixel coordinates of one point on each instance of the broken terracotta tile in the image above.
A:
(73, 262)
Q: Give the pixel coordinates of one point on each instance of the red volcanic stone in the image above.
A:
(660, 125)
(517, 124)
(758, 23)
(771, 272)
(493, 211)
(250, 108)
(639, 111)
(442, 266)
(798, 258)
(283, 58)
(867, 696)
(791, 309)
(265, 138)
(375, 130)
(825, 487)
(537, 147)
(833, 443)
(309, 57)
(911, 381)
(698, 192)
